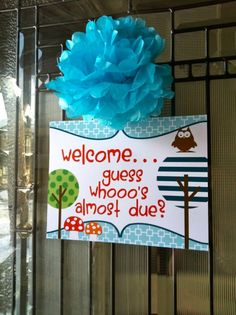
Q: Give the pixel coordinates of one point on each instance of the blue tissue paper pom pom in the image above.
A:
(109, 72)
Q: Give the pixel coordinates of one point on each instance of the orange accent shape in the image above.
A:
(93, 228)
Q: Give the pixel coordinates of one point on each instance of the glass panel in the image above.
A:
(211, 15)
(25, 179)
(8, 4)
(223, 42)
(232, 66)
(217, 68)
(161, 4)
(131, 280)
(24, 276)
(8, 44)
(223, 154)
(26, 109)
(4, 153)
(25, 173)
(48, 252)
(7, 156)
(58, 285)
(24, 219)
(192, 282)
(228, 12)
(39, 2)
(6, 248)
(76, 10)
(76, 278)
(182, 71)
(101, 269)
(190, 46)
(190, 98)
(198, 17)
(162, 284)
(191, 267)
(199, 69)
(48, 59)
(162, 23)
(166, 110)
(41, 81)
(27, 17)
(56, 35)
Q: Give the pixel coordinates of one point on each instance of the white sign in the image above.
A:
(129, 188)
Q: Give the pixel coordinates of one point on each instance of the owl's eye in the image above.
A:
(187, 134)
(181, 134)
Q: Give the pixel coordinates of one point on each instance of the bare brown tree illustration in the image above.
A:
(187, 198)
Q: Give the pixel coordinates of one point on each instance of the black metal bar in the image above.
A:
(113, 280)
(208, 109)
(202, 4)
(47, 4)
(61, 293)
(34, 236)
(174, 273)
(25, 28)
(203, 27)
(16, 166)
(203, 60)
(43, 90)
(62, 252)
(40, 74)
(139, 11)
(77, 21)
(53, 3)
(180, 7)
(203, 78)
(130, 6)
(27, 7)
(190, 79)
(28, 188)
(8, 10)
(49, 46)
(149, 279)
(23, 276)
(90, 278)
(173, 114)
(172, 58)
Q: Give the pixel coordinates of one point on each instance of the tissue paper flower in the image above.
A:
(109, 72)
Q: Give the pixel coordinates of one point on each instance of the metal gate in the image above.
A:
(52, 277)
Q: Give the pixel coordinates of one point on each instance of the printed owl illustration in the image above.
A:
(184, 140)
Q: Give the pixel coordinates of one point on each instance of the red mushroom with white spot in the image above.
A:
(93, 229)
(73, 225)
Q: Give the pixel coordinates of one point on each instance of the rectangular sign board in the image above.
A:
(144, 185)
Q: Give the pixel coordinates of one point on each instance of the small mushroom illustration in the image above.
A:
(73, 225)
(93, 229)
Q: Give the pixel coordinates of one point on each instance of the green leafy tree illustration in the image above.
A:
(63, 189)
